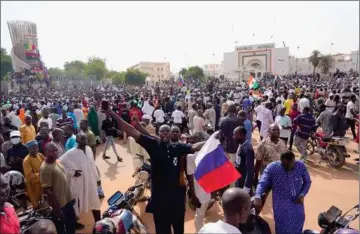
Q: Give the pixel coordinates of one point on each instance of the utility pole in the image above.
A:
(331, 47)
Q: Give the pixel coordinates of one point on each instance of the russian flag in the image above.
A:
(213, 169)
(181, 81)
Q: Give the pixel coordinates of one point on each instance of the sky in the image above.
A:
(182, 33)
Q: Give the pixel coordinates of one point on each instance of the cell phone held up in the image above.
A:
(104, 105)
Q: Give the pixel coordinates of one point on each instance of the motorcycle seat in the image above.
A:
(326, 139)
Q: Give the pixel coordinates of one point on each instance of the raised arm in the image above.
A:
(130, 130)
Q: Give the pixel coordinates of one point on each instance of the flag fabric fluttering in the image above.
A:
(252, 83)
(181, 81)
(213, 169)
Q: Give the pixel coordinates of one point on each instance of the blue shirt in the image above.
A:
(72, 115)
(246, 103)
(248, 128)
(70, 143)
(244, 163)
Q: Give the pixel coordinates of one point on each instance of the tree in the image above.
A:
(326, 63)
(96, 67)
(55, 71)
(6, 63)
(195, 72)
(183, 72)
(135, 77)
(117, 77)
(74, 68)
(314, 59)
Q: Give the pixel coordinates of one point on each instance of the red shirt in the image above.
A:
(293, 114)
(9, 222)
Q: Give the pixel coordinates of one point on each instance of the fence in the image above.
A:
(7, 85)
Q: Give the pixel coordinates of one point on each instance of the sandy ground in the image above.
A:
(330, 186)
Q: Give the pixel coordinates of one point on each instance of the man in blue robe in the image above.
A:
(289, 181)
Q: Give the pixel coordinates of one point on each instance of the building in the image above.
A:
(255, 60)
(214, 70)
(156, 71)
(343, 62)
(24, 53)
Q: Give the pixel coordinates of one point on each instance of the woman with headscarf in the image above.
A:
(93, 120)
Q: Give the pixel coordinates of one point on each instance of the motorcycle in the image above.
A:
(332, 221)
(142, 175)
(31, 216)
(17, 197)
(120, 217)
(331, 149)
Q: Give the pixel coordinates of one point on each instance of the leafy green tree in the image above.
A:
(117, 77)
(326, 63)
(74, 68)
(196, 72)
(55, 71)
(135, 77)
(6, 63)
(96, 67)
(314, 59)
(183, 72)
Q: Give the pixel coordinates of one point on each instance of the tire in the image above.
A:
(335, 158)
(310, 148)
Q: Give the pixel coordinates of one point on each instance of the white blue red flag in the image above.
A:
(213, 168)
(181, 81)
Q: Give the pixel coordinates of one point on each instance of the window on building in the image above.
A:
(158, 76)
(158, 69)
(161, 69)
(162, 76)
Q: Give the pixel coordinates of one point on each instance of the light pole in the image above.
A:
(296, 67)
(213, 65)
(331, 47)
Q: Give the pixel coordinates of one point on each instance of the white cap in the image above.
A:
(146, 117)
(15, 134)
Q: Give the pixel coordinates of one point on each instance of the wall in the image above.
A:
(231, 65)
(280, 61)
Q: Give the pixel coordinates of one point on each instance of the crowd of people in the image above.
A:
(49, 138)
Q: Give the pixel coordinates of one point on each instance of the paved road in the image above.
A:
(330, 186)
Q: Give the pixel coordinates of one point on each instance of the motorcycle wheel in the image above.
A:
(335, 158)
(310, 148)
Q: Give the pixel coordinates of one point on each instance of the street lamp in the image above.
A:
(331, 47)
(296, 67)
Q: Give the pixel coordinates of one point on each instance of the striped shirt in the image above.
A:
(305, 125)
(60, 122)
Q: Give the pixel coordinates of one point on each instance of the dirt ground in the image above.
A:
(330, 186)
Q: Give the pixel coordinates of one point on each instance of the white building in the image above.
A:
(156, 71)
(343, 62)
(214, 70)
(256, 60)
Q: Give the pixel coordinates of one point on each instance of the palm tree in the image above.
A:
(314, 59)
(183, 72)
(326, 62)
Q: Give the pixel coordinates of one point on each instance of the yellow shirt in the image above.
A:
(287, 104)
(31, 167)
(27, 133)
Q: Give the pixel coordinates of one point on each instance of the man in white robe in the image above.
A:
(147, 108)
(79, 165)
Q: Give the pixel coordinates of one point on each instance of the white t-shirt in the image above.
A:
(178, 115)
(219, 227)
(286, 122)
(259, 114)
(48, 120)
(199, 191)
(159, 116)
(199, 124)
(79, 114)
(350, 106)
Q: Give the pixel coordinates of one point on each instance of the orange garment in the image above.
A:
(85, 110)
(22, 115)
